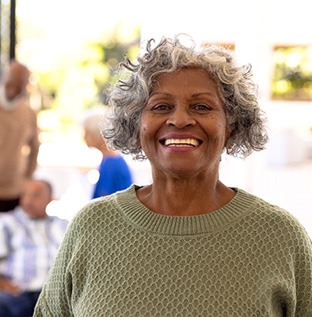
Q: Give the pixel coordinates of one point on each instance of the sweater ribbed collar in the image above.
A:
(147, 220)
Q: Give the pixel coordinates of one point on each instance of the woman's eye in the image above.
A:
(160, 107)
(202, 107)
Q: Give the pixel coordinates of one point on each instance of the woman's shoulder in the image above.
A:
(273, 216)
(103, 207)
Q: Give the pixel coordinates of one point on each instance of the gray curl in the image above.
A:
(246, 121)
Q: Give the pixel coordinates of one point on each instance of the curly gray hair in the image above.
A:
(236, 89)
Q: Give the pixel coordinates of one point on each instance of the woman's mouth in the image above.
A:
(181, 142)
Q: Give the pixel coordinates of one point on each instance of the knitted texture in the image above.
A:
(118, 258)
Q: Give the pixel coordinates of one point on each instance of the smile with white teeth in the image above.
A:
(181, 142)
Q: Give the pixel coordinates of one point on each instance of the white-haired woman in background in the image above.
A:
(114, 172)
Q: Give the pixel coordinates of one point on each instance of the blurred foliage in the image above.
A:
(292, 77)
(90, 71)
(79, 81)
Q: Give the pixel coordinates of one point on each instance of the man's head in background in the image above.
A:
(36, 196)
(14, 84)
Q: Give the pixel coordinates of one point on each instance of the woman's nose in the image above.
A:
(181, 118)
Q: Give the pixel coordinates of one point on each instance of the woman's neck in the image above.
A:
(185, 198)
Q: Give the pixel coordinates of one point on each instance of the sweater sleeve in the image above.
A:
(55, 297)
(303, 272)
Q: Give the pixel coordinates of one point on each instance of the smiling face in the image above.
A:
(183, 125)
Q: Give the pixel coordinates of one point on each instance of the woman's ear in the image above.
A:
(228, 133)
(139, 142)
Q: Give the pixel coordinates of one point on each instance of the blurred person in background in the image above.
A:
(114, 172)
(29, 240)
(19, 144)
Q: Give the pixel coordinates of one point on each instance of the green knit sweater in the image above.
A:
(118, 258)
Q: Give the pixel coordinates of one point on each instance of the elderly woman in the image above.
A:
(185, 245)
